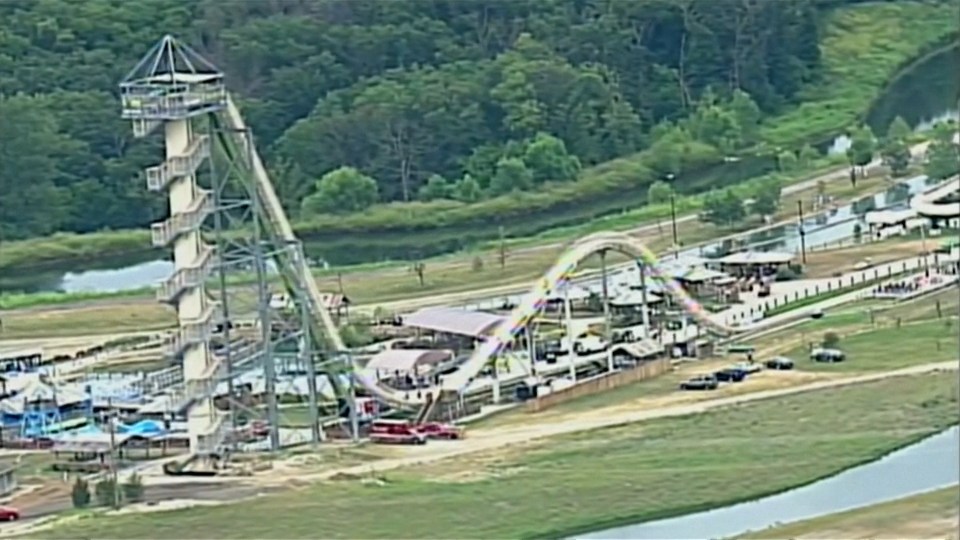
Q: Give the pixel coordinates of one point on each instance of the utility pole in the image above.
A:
(673, 222)
(503, 249)
(606, 309)
(112, 420)
(926, 256)
(803, 233)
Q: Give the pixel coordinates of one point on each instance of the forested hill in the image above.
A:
(459, 99)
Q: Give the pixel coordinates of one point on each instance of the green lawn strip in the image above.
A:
(831, 294)
(889, 347)
(885, 519)
(590, 480)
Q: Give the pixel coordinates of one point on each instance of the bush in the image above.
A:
(80, 494)
(106, 492)
(787, 273)
(831, 340)
(133, 488)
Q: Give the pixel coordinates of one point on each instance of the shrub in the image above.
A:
(831, 340)
(80, 494)
(106, 492)
(133, 489)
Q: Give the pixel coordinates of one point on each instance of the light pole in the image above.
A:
(803, 233)
(112, 419)
(673, 218)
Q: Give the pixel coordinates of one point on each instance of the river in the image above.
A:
(930, 464)
(921, 95)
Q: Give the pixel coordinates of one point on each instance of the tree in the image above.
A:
(831, 340)
(511, 175)
(341, 191)
(862, 147)
(133, 488)
(724, 208)
(808, 155)
(896, 156)
(747, 113)
(767, 199)
(467, 190)
(419, 268)
(106, 492)
(547, 158)
(899, 130)
(659, 192)
(436, 187)
(716, 126)
(787, 161)
(80, 493)
(942, 158)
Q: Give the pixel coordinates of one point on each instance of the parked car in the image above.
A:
(395, 432)
(589, 344)
(9, 513)
(700, 382)
(779, 363)
(438, 430)
(730, 375)
(748, 367)
(827, 355)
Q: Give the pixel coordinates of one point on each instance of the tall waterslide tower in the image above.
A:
(225, 332)
(171, 86)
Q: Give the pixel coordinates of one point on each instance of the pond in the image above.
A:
(923, 94)
(930, 464)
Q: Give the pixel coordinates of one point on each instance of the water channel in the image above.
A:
(930, 464)
(922, 95)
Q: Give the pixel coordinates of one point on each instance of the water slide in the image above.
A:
(297, 277)
(560, 273)
(926, 204)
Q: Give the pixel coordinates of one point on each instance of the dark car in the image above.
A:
(780, 363)
(827, 355)
(730, 375)
(700, 382)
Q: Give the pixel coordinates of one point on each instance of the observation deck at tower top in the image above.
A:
(172, 82)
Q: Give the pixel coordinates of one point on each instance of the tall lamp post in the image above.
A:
(803, 233)
(673, 218)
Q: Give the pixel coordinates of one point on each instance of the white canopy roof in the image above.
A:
(757, 257)
(889, 217)
(575, 292)
(634, 298)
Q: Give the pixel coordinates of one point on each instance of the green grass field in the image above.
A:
(890, 347)
(928, 515)
(588, 480)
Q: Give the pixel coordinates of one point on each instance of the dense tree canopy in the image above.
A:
(460, 99)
